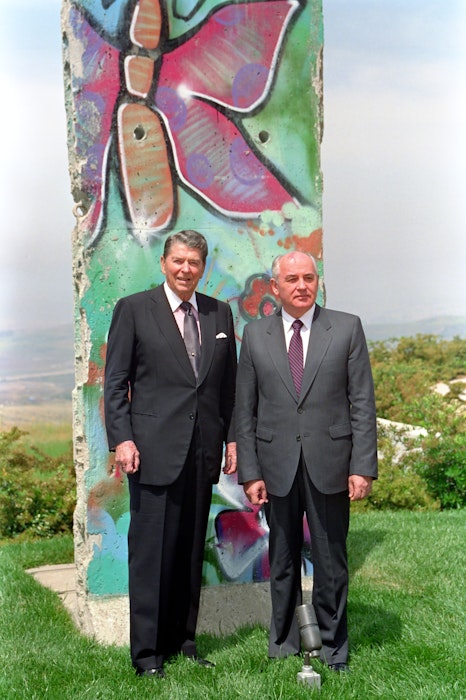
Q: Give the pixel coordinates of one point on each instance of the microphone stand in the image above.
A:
(312, 643)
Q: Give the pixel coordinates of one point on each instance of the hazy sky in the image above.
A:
(393, 160)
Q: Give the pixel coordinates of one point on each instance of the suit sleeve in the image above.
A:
(227, 400)
(118, 368)
(362, 405)
(246, 414)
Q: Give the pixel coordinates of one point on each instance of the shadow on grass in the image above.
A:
(372, 625)
(369, 625)
(254, 637)
(360, 543)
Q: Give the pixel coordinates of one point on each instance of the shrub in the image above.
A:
(399, 486)
(37, 492)
(405, 372)
(405, 369)
(442, 465)
(441, 458)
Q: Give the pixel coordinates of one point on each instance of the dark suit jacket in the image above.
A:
(333, 422)
(146, 352)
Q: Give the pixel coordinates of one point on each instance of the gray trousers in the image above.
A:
(328, 520)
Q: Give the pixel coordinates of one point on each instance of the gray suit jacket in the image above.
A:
(333, 422)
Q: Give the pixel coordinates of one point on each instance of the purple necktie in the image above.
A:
(191, 336)
(295, 355)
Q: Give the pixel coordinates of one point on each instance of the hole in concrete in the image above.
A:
(264, 136)
(79, 210)
(139, 133)
(82, 203)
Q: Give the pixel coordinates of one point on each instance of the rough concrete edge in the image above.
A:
(223, 609)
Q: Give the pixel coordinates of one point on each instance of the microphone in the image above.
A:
(311, 640)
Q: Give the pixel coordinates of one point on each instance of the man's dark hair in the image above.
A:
(191, 239)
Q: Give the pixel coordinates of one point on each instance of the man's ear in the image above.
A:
(162, 264)
(274, 287)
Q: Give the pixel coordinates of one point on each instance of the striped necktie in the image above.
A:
(295, 355)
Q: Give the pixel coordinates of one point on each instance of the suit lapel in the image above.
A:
(168, 327)
(207, 322)
(319, 342)
(277, 349)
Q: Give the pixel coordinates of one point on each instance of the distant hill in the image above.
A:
(37, 367)
(26, 351)
(446, 327)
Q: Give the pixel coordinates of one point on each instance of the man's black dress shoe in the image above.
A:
(201, 662)
(156, 672)
(339, 668)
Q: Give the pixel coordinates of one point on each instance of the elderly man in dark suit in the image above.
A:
(169, 400)
(306, 438)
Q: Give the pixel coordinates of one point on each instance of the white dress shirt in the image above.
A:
(305, 329)
(178, 313)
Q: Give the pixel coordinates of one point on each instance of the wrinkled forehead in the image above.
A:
(181, 251)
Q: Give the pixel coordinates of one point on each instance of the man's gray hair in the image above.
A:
(276, 262)
(191, 239)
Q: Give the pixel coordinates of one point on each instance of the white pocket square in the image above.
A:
(221, 335)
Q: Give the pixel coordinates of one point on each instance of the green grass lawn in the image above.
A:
(406, 617)
(52, 438)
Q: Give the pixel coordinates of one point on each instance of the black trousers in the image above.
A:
(328, 520)
(166, 541)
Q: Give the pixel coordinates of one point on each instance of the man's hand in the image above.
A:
(230, 458)
(359, 487)
(256, 492)
(127, 457)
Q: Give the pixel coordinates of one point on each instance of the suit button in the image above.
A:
(191, 416)
(300, 410)
(298, 438)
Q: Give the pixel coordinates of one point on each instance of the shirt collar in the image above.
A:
(175, 301)
(305, 318)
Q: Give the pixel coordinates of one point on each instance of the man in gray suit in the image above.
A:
(169, 398)
(307, 443)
